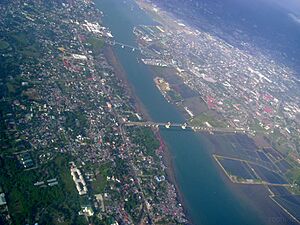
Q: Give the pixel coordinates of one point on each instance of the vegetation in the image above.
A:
(132, 206)
(202, 118)
(96, 44)
(3, 45)
(294, 176)
(257, 127)
(146, 138)
(30, 51)
(48, 204)
(100, 183)
(75, 121)
(175, 96)
(20, 39)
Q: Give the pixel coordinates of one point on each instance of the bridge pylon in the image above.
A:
(168, 125)
(183, 126)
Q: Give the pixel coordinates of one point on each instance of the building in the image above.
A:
(2, 199)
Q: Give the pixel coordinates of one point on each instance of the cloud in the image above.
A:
(294, 17)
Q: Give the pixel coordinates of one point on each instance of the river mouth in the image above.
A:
(208, 195)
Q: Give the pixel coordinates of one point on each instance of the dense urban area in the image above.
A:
(238, 89)
(250, 91)
(76, 144)
(66, 156)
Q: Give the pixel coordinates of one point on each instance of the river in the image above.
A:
(207, 197)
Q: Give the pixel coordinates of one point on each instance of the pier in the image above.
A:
(185, 126)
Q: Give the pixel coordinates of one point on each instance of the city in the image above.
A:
(237, 89)
(127, 112)
(62, 106)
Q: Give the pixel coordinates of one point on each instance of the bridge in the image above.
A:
(185, 126)
(122, 45)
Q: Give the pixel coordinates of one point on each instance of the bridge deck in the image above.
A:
(185, 126)
(123, 45)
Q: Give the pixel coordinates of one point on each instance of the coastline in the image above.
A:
(139, 107)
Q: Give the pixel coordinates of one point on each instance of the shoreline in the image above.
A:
(140, 108)
(121, 74)
(171, 177)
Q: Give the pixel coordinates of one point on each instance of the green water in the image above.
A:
(209, 201)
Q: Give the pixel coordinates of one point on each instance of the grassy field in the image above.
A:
(100, 183)
(20, 39)
(96, 43)
(202, 118)
(30, 51)
(257, 127)
(3, 45)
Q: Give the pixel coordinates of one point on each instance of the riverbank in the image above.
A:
(121, 74)
(171, 176)
(140, 108)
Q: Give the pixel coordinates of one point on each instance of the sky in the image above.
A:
(290, 5)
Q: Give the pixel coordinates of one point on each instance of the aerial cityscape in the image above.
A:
(148, 112)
